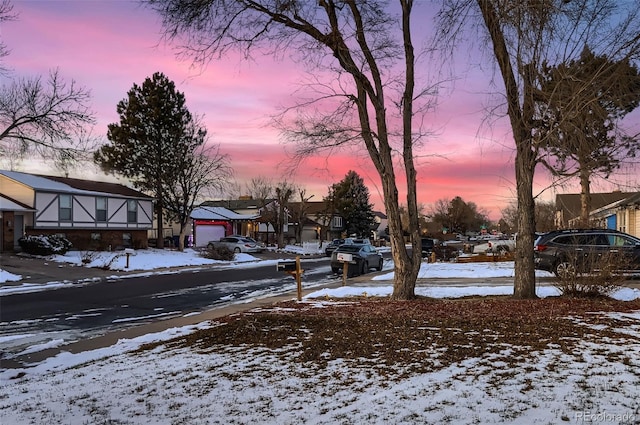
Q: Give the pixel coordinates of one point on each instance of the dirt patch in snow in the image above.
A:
(422, 335)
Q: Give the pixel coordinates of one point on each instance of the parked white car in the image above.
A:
(237, 244)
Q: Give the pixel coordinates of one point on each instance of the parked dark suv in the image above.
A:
(567, 252)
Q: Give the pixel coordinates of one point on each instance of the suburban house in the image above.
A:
(90, 214)
(256, 227)
(568, 205)
(622, 215)
(320, 223)
(308, 221)
(212, 223)
(380, 232)
(613, 210)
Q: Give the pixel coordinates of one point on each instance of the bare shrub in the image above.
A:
(593, 276)
(109, 260)
(218, 253)
(87, 257)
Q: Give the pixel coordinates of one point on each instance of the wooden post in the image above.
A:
(345, 272)
(299, 278)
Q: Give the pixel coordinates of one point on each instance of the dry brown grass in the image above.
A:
(406, 334)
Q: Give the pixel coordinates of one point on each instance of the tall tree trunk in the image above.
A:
(405, 265)
(183, 233)
(160, 216)
(524, 285)
(585, 198)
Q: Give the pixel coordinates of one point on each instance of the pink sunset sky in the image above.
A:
(107, 46)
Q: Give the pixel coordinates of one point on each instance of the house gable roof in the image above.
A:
(569, 203)
(45, 183)
(237, 204)
(219, 213)
(631, 201)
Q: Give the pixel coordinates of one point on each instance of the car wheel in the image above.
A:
(565, 269)
(364, 267)
(379, 268)
(335, 269)
(237, 250)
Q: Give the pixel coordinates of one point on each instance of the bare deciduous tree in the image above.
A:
(284, 191)
(45, 118)
(300, 213)
(6, 14)
(524, 35)
(50, 119)
(370, 98)
(544, 216)
(201, 170)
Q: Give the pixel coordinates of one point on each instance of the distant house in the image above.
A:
(92, 215)
(212, 223)
(568, 205)
(258, 228)
(622, 215)
(380, 231)
(305, 222)
(320, 222)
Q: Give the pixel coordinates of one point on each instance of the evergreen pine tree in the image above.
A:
(350, 200)
(149, 137)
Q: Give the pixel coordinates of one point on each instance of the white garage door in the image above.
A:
(205, 233)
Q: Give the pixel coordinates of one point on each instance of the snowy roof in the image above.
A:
(219, 213)
(70, 185)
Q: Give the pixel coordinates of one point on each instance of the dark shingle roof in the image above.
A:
(569, 203)
(236, 204)
(97, 186)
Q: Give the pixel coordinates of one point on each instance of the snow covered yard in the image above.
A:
(474, 360)
(460, 355)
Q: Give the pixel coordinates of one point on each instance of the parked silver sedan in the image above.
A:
(236, 244)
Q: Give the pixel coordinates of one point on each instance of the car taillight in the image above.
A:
(540, 248)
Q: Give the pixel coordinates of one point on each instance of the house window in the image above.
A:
(65, 208)
(101, 209)
(126, 240)
(96, 236)
(132, 211)
(336, 223)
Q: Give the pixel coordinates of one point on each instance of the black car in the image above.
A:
(567, 252)
(334, 244)
(363, 258)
